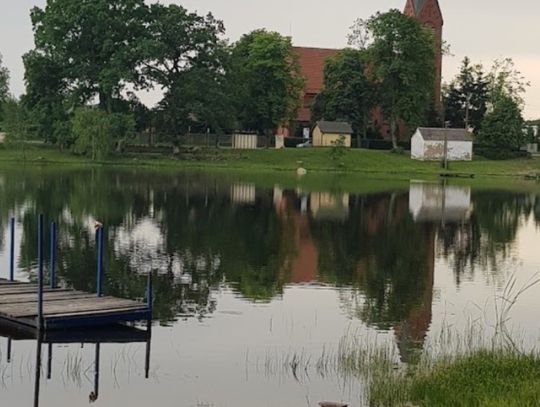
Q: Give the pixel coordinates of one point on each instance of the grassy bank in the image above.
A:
(484, 379)
(314, 160)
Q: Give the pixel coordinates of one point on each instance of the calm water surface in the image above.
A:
(250, 281)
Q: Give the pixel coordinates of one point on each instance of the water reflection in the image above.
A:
(379, 252)
(430, 202)
(96, 337)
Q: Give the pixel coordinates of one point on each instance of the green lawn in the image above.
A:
(314, 160)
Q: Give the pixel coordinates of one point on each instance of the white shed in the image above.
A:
(428, 144)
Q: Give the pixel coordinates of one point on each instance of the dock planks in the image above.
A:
(65, 308)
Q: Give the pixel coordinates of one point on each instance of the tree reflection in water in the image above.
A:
(201, 233)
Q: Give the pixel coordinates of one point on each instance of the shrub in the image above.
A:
(96, 132)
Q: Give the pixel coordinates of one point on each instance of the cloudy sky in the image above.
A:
(481, 29)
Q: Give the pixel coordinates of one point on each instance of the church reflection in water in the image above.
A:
(382, 245)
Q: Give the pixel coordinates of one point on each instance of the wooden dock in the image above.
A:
(65, 308)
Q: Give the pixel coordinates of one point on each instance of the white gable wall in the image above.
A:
(417, 146)
(457, 150)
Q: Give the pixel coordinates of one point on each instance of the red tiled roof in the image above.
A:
(311, 62)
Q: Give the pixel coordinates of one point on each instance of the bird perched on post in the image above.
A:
(332, 404)
(98, 224)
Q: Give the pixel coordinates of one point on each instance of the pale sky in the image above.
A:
(481, 29)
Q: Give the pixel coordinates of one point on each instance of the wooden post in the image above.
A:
(40, 272)
(12, 251)
(52, 255)
(445, 162)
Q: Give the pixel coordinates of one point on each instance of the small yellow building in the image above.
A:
(326, 134)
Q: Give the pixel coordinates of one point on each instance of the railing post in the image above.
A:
(12, 251)
(149, 294)
(40, 272)
(99, 275)
(52, 255)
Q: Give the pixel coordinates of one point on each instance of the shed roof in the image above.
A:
(439, 134)
(335, 127)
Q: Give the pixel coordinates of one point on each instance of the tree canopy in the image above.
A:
(4, 88)
(267, 81)
(467, 96)
(402, 58)
(348, 93)
(93, 43)
(4, 82)
(503, 125)
(186, 57)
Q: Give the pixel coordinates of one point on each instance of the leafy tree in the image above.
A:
(4, 86)
(267, 81)
(347, 94)
(185, 56)
(466, 98)
(4, 82)
(47, 97)
(402, 55)
(506, 80)
(93, 43)
(503, 125)
(17, 124)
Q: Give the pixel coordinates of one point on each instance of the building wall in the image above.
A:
(328, 139)
(457, 151)
(417, 147)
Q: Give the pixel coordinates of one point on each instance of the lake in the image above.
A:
(260, 284)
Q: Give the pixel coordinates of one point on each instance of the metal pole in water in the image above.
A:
(37, 382)
(52, 255)
(12, 251)
(149, 300)
(94, 395)
(40, 272)
(49, 362)
(9, 350)
(99, 276)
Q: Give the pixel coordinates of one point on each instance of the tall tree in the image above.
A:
(47, 97)
(95, 43)
(347, 94)
(402, 55)
(506, 80)
(466, 98)
(4, 82)
(267, 79)
(185, 56)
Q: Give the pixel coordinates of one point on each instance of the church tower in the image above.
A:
(429, 13)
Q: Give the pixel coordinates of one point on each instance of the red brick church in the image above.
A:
(312, 61)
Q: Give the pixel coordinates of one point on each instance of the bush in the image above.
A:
(499, 153)
(96, 132)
